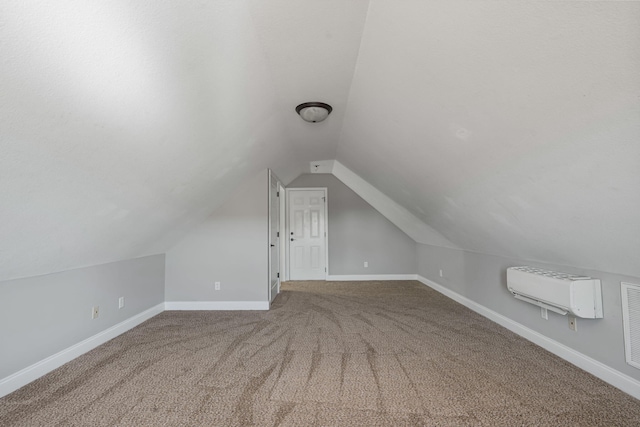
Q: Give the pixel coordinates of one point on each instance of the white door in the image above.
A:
(307, 234)
(274, 236)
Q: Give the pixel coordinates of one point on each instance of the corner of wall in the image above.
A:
(228, 248)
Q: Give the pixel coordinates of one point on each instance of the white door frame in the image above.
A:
(272, 178)
(284, 273)
(326, 226)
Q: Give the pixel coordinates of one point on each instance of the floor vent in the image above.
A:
(631, 321)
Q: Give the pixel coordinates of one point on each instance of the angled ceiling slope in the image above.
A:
(511, 128)
(398, 215)
(124, 124)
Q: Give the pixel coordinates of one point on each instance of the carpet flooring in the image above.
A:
(326, 354)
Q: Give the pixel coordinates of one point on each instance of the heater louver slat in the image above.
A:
(631, 321)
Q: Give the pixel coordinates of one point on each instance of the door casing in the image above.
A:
(274, 209)
(288, 228)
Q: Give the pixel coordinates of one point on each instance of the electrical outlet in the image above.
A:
(441, 273)
(544, 313)
(216, 286)
(366, 264)
(573, 325)
(95, 312)
(121, 302)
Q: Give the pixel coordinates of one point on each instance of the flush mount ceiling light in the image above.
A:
(314, 112)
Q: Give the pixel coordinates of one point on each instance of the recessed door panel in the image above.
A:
(298, 257)
(298, 224)
(315, 257)
(315, 223)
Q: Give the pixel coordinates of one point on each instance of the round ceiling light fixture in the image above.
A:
(314, 112)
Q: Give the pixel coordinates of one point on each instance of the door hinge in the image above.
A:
(278, 194)
(324, 199)
(278, 275)
(325, 269)
(277, 234)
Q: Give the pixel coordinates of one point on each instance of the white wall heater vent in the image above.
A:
(562, 293)
(631, 322)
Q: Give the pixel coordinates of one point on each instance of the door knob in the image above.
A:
(272, 245)
(292, 239)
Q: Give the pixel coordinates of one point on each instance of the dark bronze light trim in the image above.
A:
(314, 104)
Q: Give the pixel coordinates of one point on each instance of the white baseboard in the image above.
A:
(357, 277)
(30, 373)
(615, 378)
(216, 305)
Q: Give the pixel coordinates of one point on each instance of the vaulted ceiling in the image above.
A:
(511, 128)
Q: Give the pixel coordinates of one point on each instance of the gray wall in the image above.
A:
(358, 233)
(230, 247)
(42, 315)
(482, 278)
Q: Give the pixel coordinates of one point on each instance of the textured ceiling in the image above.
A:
(511, 128)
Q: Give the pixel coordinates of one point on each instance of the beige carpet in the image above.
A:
(327, 354)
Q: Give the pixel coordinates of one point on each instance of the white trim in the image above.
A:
(356, 277)
(402, 218)
(322, 166)
(615, 378)
(24, 376)
(271, 179)
(216, 305)
(627, 321)
(286, 235)
(283, 236)
(326, 233)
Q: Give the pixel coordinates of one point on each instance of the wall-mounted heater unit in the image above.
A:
(559, 292)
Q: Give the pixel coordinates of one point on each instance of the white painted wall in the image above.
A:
(43, 315)
(358, 233)
(231, 247)
(482, 279)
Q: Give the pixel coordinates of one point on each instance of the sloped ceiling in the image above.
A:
(511, 128)
(125, 123)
